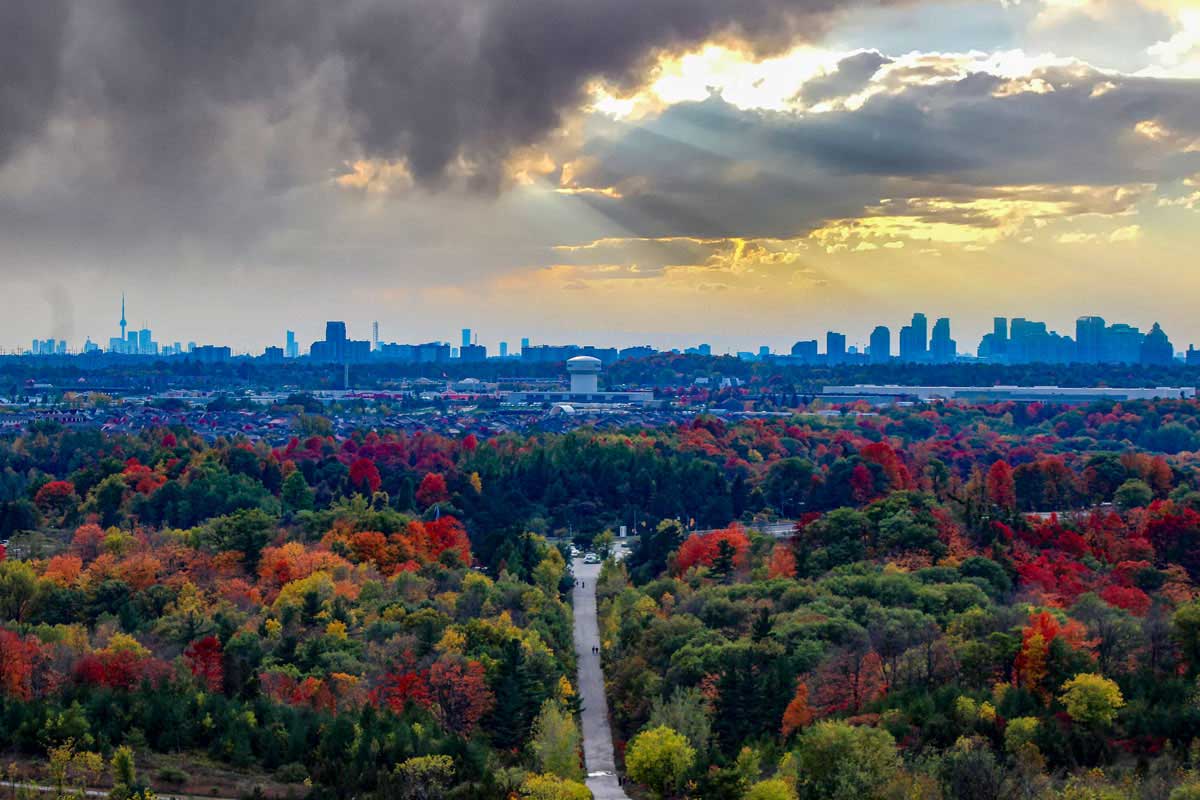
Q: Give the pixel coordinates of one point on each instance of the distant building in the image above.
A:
(942, 348)
(643, 351)
(1156, 348)
(208, 354)
(466, 337)
(1089, 339)
(291, 347)
(835, 347)
(914, 339)
(991, 394)
(273, 355)
(584, 372)
(804, 350)
(472, 353)
(504, 349)
(337, 349)
(881, 345)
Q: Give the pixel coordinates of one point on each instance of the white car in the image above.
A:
(591, 558)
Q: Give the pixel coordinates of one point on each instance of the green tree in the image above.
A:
(553, 787)
(248, 531)
(295, 494)
(424, 777)
(773, 789)
(659, 758)
(1092, 699)
(555, 742)
(686, 712)
(18, 587)
(843, 762)
(1185, 630)
(1133, 493)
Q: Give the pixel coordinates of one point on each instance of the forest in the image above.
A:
(975, 602)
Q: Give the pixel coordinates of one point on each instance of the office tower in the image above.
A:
(1122, 344)
(374, 336)
(835, 347)
(764, 351)
(35, 347)
(335, 331)
(145, 343)
(1156, 348)
(942, 349)
(914, 339)
(291, 349)
(466, 337)
(191, 347)
(131, 343)
(881, 345)
(805, 350)
(524, 344)
(1000, 329)
(504, 349)
(1089, 339)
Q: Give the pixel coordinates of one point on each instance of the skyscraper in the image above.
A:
(914, 339)
(122, 316)
(291, 349)
(942, 349)
(1157, 348)
(881, 345)
(375, 336)
(1089, 339)
(835, 347)
(504, 349)
(466, 337)
(524, 344)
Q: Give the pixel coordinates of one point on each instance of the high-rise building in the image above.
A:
(466, 337)
(337, 349)
(805, 350)
(1157, 348)
(764, 351)
(291, 348)
(504, 349)
(942, 349)
(122, 316)
(146, 345)
(1089, 339)
(524, 344)
(1122, 344)
(835, 347)
(914, 339)
(881, 345)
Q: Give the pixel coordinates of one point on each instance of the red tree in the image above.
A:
(18, 658)
(206, 661)
(432, 490)
(460, 694)
(783, 562)
(702, 549)
(364, 476)
(56, 497)
(1001, 490)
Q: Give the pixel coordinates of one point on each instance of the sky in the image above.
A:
(737, 172)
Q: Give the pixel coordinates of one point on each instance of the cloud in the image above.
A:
(443, 85)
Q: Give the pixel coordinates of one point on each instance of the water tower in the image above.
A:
(585, 374)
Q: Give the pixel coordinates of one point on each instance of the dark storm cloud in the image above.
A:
(711, 169)
(851, 76)
(31, 37)
(432, 81)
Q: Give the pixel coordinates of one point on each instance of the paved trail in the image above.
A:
(597, 735)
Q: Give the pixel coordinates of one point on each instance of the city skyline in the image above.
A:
(771, 162)
(1010, 340)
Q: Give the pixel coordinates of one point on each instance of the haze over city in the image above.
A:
(728, 172)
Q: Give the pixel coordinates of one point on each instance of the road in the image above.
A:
(597, 733)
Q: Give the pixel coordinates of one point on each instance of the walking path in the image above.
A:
(597, 734)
